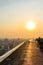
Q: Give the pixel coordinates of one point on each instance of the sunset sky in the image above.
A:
(15, 13)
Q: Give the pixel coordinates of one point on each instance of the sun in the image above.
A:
(30, 25)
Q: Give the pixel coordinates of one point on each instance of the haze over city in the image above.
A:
(14, 15)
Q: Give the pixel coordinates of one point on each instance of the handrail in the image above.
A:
(3, 57)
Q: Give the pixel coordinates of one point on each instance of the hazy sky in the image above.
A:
(15, 13)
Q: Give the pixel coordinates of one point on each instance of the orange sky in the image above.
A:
(14, 15)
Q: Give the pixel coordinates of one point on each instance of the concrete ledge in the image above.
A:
(3, 57)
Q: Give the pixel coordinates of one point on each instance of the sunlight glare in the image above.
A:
(30, 25)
